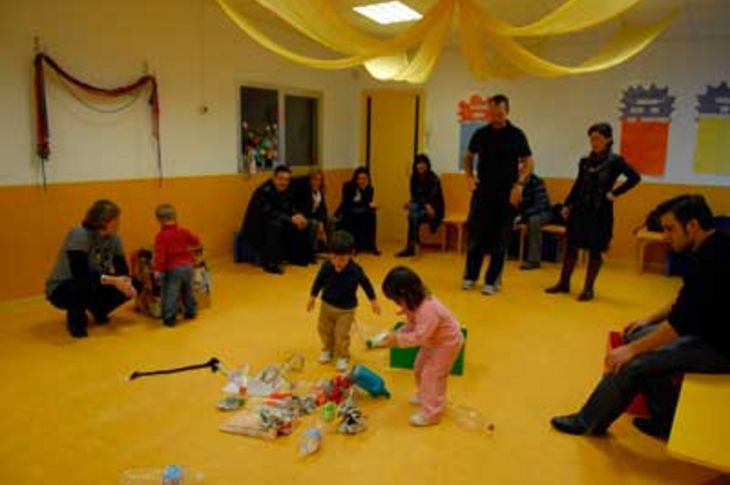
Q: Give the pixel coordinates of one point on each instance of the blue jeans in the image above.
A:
(416, 216)
(651, 373)
(175, 282)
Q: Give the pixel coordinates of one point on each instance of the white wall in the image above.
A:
(198, 56)
(555, 113)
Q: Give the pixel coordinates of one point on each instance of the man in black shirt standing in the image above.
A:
(691, 335)
(504, 162)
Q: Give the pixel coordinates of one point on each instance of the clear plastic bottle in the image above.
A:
(310, 441)
(470, 418)
(169, 475)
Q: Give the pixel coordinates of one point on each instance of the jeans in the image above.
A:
(175, 282)
(651, 374)
(416, 216)
(534, 235)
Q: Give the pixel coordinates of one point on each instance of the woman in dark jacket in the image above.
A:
(426, 204)
(589, 207)
(309, 199)
(357, 211)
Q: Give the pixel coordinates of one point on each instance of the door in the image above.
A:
(392, 136)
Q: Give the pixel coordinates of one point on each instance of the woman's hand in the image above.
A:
(123, 284)
(471, 183)
(515, 195)
(610, 196)
(430, 211)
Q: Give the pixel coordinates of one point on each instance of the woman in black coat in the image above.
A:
(357, 211)
(589, 207)
(426, 204)
(309, 199)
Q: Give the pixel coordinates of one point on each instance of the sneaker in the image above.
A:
(414, 399)
(343, 363)
(418, 419)
(488, 289)
(324, 357)
(467, 284)
(528, 265)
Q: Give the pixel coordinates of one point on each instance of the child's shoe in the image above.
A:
(418, 419)
(324, 357)
(343, 363)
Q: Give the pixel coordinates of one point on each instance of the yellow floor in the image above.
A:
(69, 416)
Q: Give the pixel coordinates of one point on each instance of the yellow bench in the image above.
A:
(702, 422)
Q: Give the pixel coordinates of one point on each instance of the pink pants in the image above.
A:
(432, 368)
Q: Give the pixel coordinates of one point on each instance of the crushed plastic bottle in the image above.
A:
(470, 419)
(310, 441)
(169, 475)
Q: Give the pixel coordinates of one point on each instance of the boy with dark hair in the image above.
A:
(338, 279)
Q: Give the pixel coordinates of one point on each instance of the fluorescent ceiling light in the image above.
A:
(388, 12)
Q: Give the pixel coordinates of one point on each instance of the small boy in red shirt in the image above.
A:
(174, 261)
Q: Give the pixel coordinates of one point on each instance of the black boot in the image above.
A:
(594, 267)
(563, 285)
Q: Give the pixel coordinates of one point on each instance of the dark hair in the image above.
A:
(342, 243)
(280, 169)
(402, 284)
(422, 158)
(358, 171)
(500, 99)
(603, 128)
(101, 213)
(317, 171)
(653, 222)
(688, 207)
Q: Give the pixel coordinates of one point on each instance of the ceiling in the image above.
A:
(699, 19)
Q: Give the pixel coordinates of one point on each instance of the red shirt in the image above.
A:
(173, 247)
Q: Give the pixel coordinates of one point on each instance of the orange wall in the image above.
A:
(630, 209)
(35, 222)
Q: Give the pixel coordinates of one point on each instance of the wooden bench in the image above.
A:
(644, 239)
(556, 229)
(702, 421)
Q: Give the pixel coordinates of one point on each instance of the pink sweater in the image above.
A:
(430, 325)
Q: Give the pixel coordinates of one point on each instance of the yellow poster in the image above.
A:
(712, 150)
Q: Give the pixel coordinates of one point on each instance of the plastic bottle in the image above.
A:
(310, 442)
(369, 380)
(470, 419)
(169, 475)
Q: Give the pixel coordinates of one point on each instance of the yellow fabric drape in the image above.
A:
(621, 47)
(489, 44)
(572, 16)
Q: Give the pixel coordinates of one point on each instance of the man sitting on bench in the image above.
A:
(691, 335)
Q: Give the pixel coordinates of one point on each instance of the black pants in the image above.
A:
(490, 229)
(76, 297)
(362, 226)
(651, 374)
(285, 242)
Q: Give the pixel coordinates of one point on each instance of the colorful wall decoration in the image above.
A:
(645, 119)
(712, 149)
(473, 113)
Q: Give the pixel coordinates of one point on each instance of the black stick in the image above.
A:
(213, 363)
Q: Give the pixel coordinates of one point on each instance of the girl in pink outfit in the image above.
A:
(431, 326)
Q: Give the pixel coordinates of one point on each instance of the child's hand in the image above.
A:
(310, 304)
(381, 340)
(376, 307)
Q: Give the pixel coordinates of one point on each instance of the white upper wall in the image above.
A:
(198, 56)
(555, 113)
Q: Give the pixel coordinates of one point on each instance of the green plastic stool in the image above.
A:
(405, 358)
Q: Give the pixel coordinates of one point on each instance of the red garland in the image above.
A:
(43, 148)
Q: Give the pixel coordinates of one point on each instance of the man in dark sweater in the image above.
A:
(338, 280)
(691, 335)
(534, 212)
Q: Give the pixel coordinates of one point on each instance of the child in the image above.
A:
(174, 264)
(338, 279)
(431, 326)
